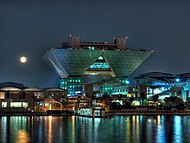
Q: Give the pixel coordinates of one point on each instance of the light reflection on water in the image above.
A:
(123, 129)
(22, 136)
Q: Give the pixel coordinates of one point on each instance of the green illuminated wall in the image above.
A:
(120, 85)
(72, 84)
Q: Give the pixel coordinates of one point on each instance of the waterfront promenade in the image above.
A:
(123, 112)
(147, 112)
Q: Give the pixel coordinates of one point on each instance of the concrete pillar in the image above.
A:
(187, 94)
(172, 93)
(8, 104)
(179, 93)
(74, 41)
(88, 90)
(7, 94)
(142, 89)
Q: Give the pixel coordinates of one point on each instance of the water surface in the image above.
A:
(118, 129)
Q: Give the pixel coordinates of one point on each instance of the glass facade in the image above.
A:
(107, 88)
(71, 84)
(100, 63)
(74, 62)
(103, 59)
(119, 86)
(74, 86)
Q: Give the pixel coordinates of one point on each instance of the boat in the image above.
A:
(90, 111)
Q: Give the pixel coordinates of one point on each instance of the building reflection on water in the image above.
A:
(133, 129)
(14, 127)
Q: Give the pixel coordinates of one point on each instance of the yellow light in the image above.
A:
(22, 136)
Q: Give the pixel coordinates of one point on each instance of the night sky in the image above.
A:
(30, 27)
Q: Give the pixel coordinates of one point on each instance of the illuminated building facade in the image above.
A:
(164, 85)
(15, 97)
(88, 67)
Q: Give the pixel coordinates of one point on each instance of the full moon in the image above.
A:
(23, 59)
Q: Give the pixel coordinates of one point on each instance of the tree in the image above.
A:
(188, 103)
(143, 96)
(131, 99)
(174, 101)
(155, 97)
(105, 95)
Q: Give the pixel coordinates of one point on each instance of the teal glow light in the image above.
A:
(127, 81)
(177, 79)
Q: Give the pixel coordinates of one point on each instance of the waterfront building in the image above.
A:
(15, 97)
(89, 68)
(164, 85)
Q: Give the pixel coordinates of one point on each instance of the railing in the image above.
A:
(147, 111)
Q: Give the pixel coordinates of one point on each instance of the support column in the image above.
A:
(187, 94)
(88, 90)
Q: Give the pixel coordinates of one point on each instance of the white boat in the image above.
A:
(93, 112)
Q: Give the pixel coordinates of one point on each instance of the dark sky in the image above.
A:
(30, 27)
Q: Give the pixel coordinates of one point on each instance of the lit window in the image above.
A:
(2, 95)
(4, 104)
(24, 104)
(100, 58)
(16, 104)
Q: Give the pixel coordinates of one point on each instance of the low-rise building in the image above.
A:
(17, 97)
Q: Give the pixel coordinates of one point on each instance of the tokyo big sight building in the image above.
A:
(94, 67)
